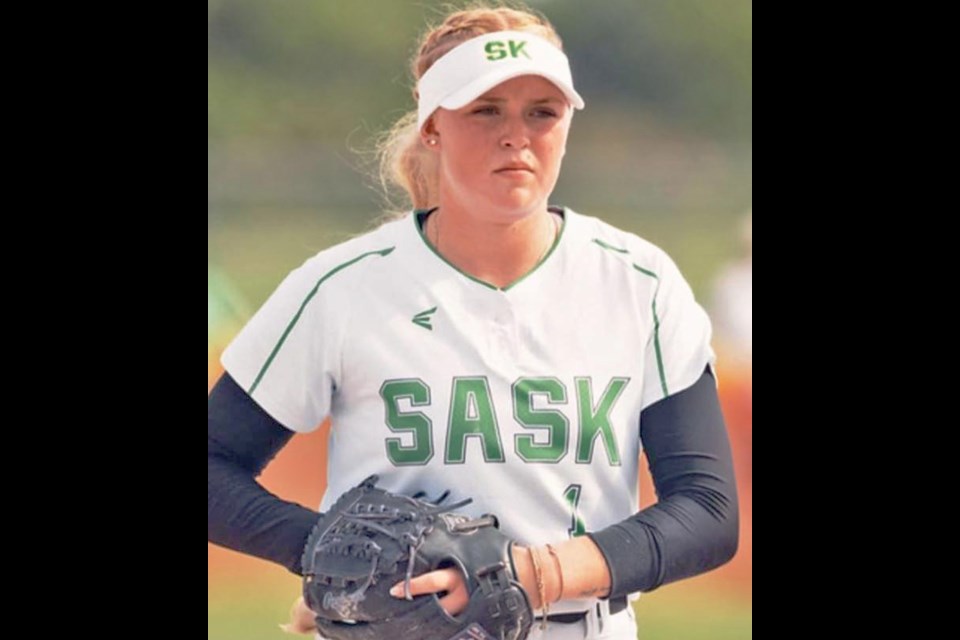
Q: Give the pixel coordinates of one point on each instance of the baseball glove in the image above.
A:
(371, 539)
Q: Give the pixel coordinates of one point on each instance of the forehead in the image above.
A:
(527, 87)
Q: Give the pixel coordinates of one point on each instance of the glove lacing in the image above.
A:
(425, 522)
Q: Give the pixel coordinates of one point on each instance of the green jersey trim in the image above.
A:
(656, 340)
(420, 214)
(303, 305)
(546, 256)
(609, 246)
(653, 306)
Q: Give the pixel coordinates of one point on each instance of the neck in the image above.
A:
(497, 252)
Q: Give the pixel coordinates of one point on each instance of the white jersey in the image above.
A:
(526, 399)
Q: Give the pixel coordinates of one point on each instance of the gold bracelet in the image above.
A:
(538, 576)
(553, 552)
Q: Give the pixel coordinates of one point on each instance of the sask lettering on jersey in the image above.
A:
(472, 420)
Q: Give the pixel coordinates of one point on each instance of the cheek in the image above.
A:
(554, 151)
(460, 162)
(556, 143)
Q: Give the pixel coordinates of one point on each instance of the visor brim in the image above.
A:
(478, 87)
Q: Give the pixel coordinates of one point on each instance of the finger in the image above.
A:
(301, 618)
(433, 582)
(291, 627)
(456, 600)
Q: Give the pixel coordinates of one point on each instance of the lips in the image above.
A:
(515, 166)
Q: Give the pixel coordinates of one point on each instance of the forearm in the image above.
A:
(691, 529)
(575, 569)
(694, 526)
(245, 517)
(679, 537)
(241, 514)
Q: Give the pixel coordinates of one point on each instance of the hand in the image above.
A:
(301, 618)
(449, 580)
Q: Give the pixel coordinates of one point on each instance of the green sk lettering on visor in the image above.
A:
(516, 49)
(596, 421)
(303, 305)
(572, 495)
(495, 50)
(417, 423)
(472, 416)
(524, 391)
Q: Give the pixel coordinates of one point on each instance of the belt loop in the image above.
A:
(591, 623)
(603, 612)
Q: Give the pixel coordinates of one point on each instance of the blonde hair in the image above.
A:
(405, 165)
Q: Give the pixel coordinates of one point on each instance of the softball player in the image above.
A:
(490, 344)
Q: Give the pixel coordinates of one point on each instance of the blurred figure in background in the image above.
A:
(732, 309)
(732, 314)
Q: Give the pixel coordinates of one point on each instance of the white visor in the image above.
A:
(471, 69)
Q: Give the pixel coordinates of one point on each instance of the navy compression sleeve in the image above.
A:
(241, 515)
(694, 525)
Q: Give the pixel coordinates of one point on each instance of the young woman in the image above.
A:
(494, 345)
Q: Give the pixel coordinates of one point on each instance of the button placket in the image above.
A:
(502, 333)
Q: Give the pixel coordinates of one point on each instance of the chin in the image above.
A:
(518, 204)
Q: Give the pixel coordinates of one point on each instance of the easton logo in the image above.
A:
(423, 318)
(497, 50)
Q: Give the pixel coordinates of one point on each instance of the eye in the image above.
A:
(544, 113)
(485, 110)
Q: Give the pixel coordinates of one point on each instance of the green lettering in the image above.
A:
(472, 416)
(417, 423)
(495, 50)
(517, 48)
(524, 391)
(595, 420)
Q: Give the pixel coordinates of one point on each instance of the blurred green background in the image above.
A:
(296, 89)
(296, 92)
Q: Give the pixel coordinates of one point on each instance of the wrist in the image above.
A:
(527, 574)
(585, 570)
(523, 566)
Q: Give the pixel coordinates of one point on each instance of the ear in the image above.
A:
(429, 135)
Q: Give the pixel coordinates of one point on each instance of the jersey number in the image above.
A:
(572, 496)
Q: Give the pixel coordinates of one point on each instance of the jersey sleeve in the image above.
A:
(679, 348)
(286, 357)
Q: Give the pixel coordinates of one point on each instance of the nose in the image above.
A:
(514, 135)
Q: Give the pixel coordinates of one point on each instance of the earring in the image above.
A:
(432, 141)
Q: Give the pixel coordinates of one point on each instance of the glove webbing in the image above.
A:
(413, 540)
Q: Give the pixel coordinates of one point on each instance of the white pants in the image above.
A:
(598, 624)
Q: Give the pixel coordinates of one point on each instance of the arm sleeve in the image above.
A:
(695, 523)
(241, 515)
